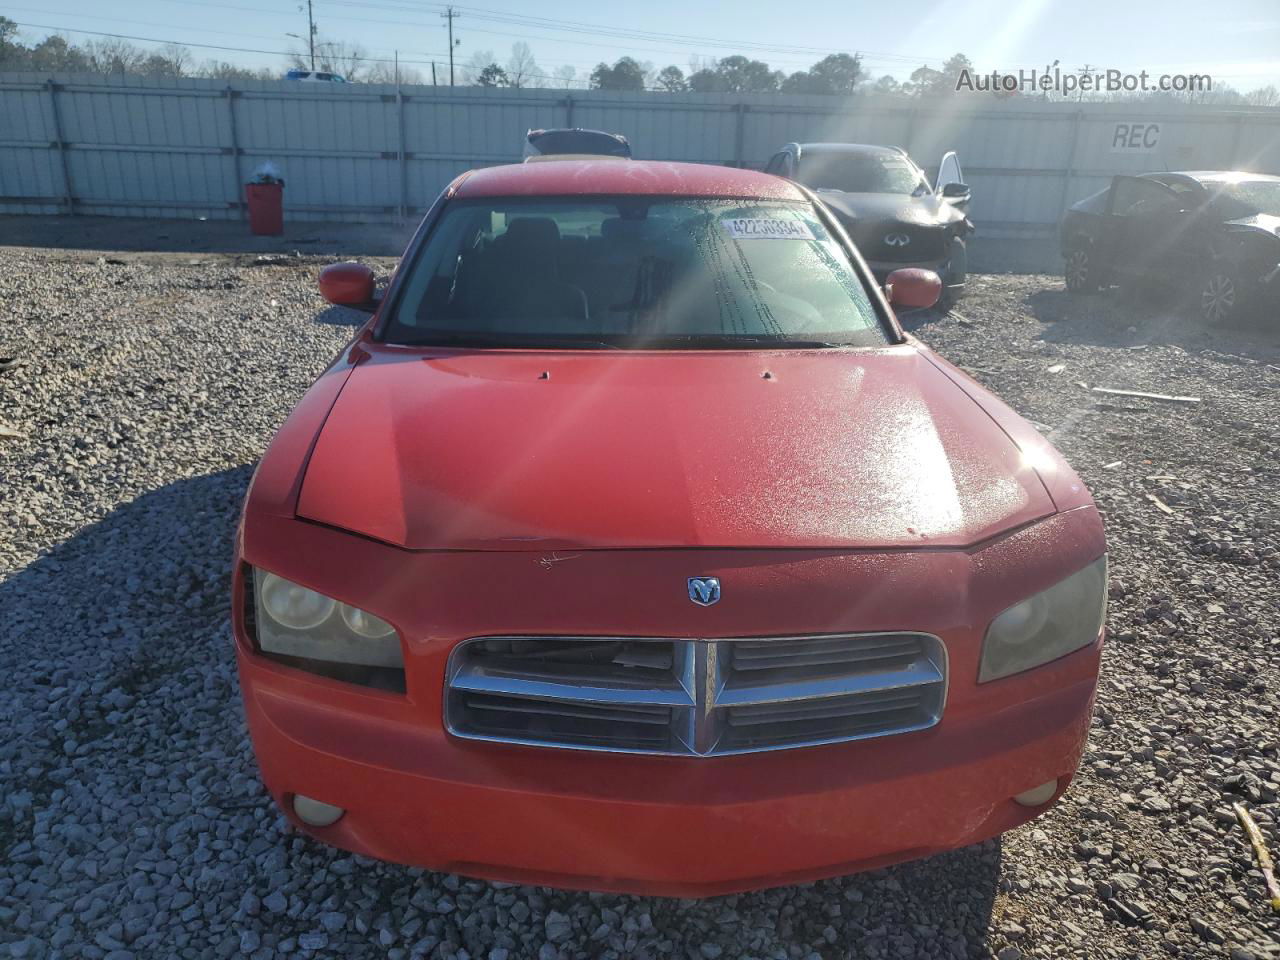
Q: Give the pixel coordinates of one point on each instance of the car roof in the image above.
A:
(1214, 176)
(602, 133)
(850, 148)
(604, 176)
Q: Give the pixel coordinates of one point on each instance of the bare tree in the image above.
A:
(113, 55)
(342, 57)
(221, 70)
(1267, 96)
(565, 75)
(522, 69)
(179, 57)
(384, 71)
(698, 61)
(170, 60)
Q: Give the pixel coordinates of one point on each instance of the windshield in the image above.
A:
(854, 172)
(633, 272)
(1247, 198)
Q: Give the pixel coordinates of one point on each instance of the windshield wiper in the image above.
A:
(479, 339)
(713, 340)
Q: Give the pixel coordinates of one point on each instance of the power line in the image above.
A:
(575, 26)
(352, 57)
(140, 23)
(867, 56)
(174, 26)
(273, 53)
(643, 36)
(190, 43)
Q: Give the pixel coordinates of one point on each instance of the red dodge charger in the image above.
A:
(631, 545)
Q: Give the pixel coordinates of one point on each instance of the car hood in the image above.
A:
(1263, 222)
(538, 450)
(928, 210)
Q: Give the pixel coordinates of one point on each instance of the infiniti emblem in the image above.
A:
(704, 591)
(896, 240)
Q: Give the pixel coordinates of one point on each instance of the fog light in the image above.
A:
(314, 813)
(1034, 797)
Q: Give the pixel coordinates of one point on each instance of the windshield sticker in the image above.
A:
(752, 228)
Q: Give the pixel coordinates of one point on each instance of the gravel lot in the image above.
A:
(132, 823)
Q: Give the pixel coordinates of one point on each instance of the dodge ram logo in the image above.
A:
(896, 240)
(704, 591)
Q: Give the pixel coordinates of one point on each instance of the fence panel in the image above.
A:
(139, 146)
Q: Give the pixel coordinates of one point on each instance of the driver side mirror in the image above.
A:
(913, 288)
(349, 285)
(956, 191)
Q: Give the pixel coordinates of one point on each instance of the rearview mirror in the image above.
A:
(349, 285)
(913, 288)
(956, 191)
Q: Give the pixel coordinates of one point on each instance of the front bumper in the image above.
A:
(674, 826)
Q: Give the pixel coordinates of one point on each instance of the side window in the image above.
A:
(778, 164)
(1189, 195)
(1134, 197)
(949, 170)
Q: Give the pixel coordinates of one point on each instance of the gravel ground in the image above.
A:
(132, 822)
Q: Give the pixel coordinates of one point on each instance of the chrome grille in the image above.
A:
(694, 697)
(923, 242)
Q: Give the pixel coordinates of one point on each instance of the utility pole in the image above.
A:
(450, 14)
(1086, 71)
(433, 73)
(311, 35)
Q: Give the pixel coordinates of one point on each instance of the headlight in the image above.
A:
(295, 621)
(364, 623)
(293, 606)
(1048, 625)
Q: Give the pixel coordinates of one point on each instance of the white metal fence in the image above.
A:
(138, 146)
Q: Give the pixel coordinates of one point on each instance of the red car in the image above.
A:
(631, 545)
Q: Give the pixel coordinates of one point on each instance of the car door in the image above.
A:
(949, 170)
(1193, 229)
(1145, 219)
(950, 185)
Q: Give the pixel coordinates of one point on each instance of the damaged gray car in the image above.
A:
(1214, 234)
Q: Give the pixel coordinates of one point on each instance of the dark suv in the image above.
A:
(886, 204)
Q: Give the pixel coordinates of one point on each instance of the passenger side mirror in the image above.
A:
(349, 285)
(955, 191)
(913, 288)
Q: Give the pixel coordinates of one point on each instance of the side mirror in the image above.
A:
(349, 285)
(956, 191)
(913, 288)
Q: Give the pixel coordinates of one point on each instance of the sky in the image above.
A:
(1237, 42)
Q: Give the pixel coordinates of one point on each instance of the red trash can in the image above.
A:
(266, 208)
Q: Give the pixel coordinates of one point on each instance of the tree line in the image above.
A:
(839, 74)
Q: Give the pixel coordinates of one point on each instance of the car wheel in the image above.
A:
(957, 273)
(1222, 295)
(1080, 272)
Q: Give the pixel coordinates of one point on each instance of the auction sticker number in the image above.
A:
(756, 228)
